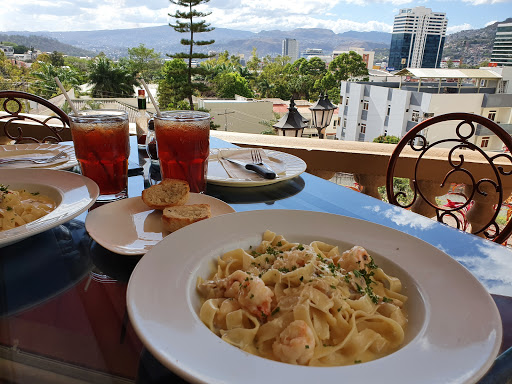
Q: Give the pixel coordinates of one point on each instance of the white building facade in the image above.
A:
(502, 49)
(368, 56)
(368, 111)
(418, 39)
(291, 49)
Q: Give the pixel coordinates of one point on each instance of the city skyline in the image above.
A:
(339, 16)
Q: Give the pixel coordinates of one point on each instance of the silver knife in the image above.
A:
(262, 171)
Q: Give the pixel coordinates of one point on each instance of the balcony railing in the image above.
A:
(368, 162)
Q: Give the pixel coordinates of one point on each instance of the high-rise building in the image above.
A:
(502, 49)
(418, 39)
(291, 49)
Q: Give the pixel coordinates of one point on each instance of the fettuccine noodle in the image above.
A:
(304, 304)
(21, 207)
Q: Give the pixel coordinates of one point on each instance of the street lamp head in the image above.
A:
(322, 113)
(292, 123)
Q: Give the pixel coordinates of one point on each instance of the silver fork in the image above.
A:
(34, 160)
(256, 158)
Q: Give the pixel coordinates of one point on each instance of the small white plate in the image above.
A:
(292, 165)
(72, 192)
(129, 227)
(453, 334)
(36, 149)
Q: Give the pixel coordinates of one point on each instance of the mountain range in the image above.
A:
(163, 39)
(471, 46)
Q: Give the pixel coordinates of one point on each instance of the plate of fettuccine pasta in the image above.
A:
(35, 200)
(266, 296)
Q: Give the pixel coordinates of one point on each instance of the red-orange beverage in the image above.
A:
(101, 139)
(183, 144)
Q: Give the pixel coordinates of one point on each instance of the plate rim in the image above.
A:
(68, 148)
(122, 202)
(174, 362)
(253, 183)
(59, 215)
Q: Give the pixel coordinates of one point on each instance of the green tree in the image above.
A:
(172, 87)
(347, 66)
(188, 25)
(57, 59)
(45, 84)
(386, 139)
(109, 79)
(229, 84)
(254, 62)
(145, 62)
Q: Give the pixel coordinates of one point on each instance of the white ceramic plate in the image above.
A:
(39, 150)
(293, 166)
(129, 227)
(72, 192)
(454, 331)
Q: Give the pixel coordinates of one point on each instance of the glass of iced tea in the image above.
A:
(183, 145)
(102, 147)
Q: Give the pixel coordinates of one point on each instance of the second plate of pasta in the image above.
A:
(264, 295)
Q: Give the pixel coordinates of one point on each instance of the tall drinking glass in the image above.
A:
(183, 145)
(102, 147)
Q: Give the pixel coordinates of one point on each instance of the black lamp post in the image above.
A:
(322, 113)
(292, 123)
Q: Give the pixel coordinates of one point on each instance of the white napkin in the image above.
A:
(236, 171)
(39, 154)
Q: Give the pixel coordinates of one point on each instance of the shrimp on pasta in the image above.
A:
(308, 304)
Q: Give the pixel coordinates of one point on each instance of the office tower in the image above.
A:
(502, 49)
(291, 49)
(418, 38)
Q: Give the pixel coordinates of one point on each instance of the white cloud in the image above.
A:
(482, 2)
(491, 22)
(458, 28)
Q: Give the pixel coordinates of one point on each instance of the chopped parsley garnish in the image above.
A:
(386, 299)
(275, 311)
(283, 270)
(357, 361)
(300, 247)
(279, 244)
(9, 208)
(307, 346)
(272, 251)
(35, 193)
(301, 278)
(333, 286)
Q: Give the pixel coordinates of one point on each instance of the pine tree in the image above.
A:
(189, 25)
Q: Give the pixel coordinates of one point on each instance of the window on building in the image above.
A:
(366, 103)
(344, 123)
(346, 101)
(492, 115)
(341, 100)
(389, 110)
(415, 116)
(485, 142)
(363, 128)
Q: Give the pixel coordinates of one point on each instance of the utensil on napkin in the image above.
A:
(239, 164)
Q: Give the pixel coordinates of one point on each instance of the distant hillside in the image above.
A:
(472, 46)
(164, 39)
(45, 44)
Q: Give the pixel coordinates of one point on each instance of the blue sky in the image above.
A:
(250, 15)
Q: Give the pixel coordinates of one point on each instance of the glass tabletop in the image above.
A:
(63, 296)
